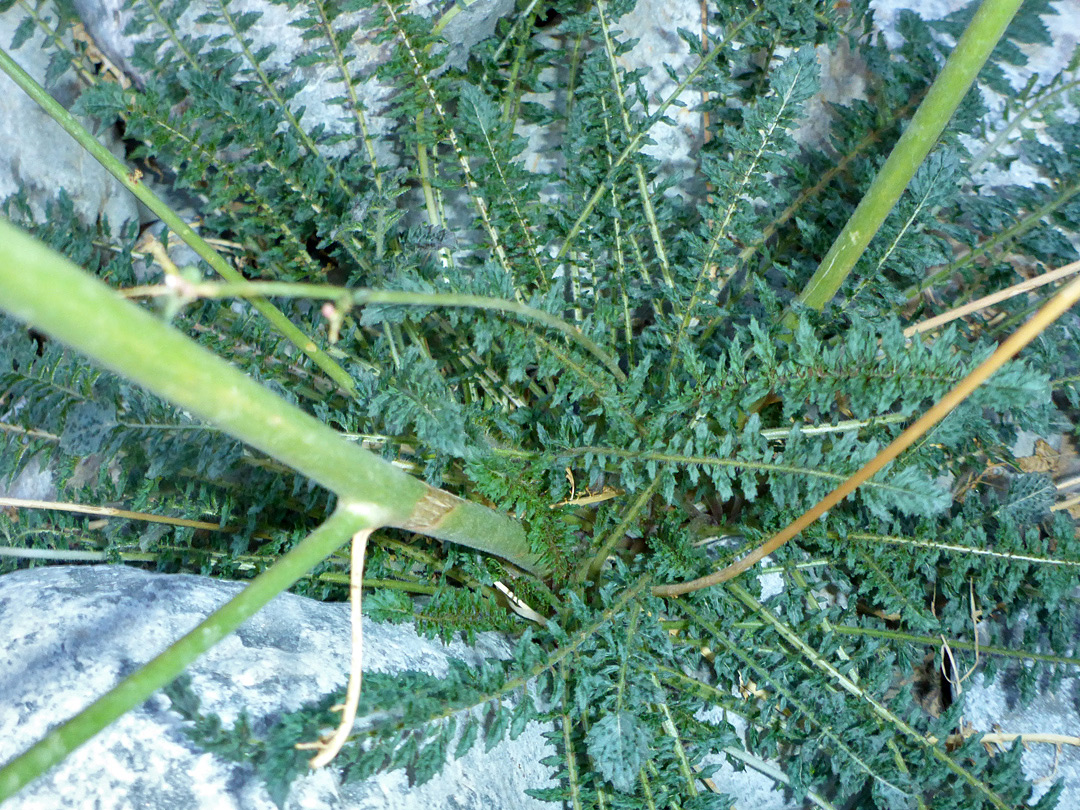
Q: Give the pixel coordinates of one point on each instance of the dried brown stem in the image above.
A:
(328, 747)
(1050, 312)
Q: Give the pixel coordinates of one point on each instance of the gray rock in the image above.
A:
(655, 24)
(33, 483)
(471, 26)
(994, 706)
(751, 786)
(71, 633)
(38, 157)
(107, 20)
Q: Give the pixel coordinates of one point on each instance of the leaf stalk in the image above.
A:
(921, 135)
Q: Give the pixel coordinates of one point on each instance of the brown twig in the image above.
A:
(1050, 312)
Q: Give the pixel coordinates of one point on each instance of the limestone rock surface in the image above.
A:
(37, 156)
(71, 633)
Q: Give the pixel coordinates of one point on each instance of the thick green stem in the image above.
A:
(47, 291)
(131, 182)
(137, 687)
(950, 87)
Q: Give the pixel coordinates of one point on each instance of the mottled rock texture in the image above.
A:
(71, 633)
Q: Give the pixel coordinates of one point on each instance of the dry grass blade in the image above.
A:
(993, 298)
(997, 738)
(1050, 312)
(328, 747)
(109, 511)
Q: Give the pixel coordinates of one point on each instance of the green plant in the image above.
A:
(666, 353)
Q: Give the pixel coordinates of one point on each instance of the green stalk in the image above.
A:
(956, 644)
(636, 141)
(46, 290)
(590, 569)
(147, 197)
(451, 12)
(137, 687)
(359, 297)
(950, 87)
